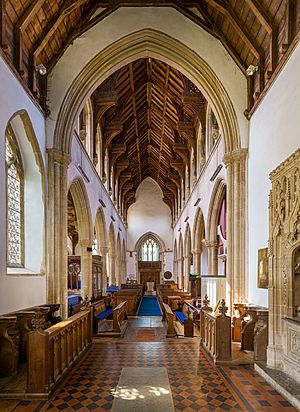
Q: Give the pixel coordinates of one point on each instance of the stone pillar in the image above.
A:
(187, 268)
(212, 258)
(180, 273)
(112, 268)
(86, 269)
(237, 288)
(57, 221)
(197, 263)
(103, 253)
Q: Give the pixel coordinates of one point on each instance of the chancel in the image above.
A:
(149, 205)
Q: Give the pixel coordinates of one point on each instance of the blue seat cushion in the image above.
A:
(180, 316)
(103, 314)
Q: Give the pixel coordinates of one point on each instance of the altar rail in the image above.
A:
(53, 351)
(217, 335)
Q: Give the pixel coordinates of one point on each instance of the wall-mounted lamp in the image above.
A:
(251, 70)
(41, 69)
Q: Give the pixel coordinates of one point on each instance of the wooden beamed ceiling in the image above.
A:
(149, 113)
(254, 32)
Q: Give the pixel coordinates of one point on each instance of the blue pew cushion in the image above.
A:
(105, 313)
(180, 316)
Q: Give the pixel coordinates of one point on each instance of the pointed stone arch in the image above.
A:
(101, 236)
(175, 260)
(218, 193)
(123, 259)
(118, 260)
(83, 210)
(155, 44)
(100, 228)
(85, 233)
(187, 256)
(111, 254)
(180, 262)
(199, 246)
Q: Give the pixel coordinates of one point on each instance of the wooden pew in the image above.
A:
(204, 308)
(52, 352)
(100, 312)
(237, 321)
(261, 335)
(119, 316)
(169, 316)
(217, 334)
(9, 346)
(131, 297)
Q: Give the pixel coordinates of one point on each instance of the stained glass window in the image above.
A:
(15, 206)
(150, 251)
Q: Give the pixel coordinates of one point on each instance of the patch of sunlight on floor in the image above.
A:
(130, 394)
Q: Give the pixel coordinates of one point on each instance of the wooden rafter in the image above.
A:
(20, 28)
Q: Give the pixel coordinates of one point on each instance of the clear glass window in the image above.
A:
(149, 251)
(15, 203)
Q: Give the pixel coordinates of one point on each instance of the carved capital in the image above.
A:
(57, 156)
(236, 156)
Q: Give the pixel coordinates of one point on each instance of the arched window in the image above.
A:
(149, 251)
(15, 202)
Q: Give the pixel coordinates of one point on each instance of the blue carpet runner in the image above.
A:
(149, 307)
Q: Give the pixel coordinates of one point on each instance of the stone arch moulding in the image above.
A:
(141, 44)
(214, 209)
(146, 236)
(198, 229)
(82, 206)
(100, 227)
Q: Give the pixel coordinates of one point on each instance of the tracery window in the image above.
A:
(149, 251)
(15, 202)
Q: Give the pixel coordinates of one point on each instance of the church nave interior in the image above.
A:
(150, 205)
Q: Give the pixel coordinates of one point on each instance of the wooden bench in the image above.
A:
(169, 316)
(131, 297)
(100, 312)
(9, 346)
(119, 316)
(185, 312)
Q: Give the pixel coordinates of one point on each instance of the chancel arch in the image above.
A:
(149, 43)
(79, 196)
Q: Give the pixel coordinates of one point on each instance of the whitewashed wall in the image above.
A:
(274, 135)
(149, 214)
(16, 291)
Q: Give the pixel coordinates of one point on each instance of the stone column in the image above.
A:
(197, 262)
(86, 268)
(112, 268)
(212, 257)
(57, 221)
(180, 273)
(187, 268)
(237, 287)
(103, 253)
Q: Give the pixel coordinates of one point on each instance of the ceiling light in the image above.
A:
(251, 70)
(41, 69)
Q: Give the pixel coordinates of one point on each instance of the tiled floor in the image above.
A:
(197, 384)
